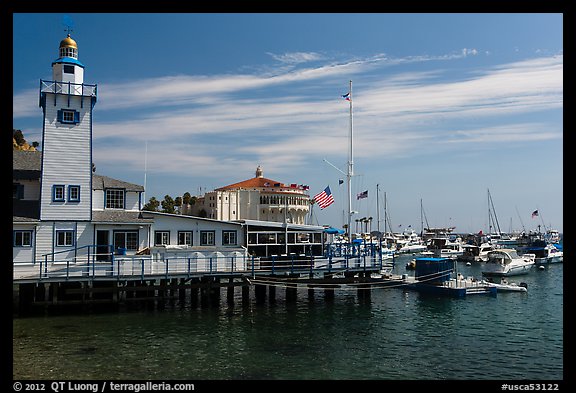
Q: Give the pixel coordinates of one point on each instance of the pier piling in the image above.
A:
(245, 294)
(291, 293)
(272, 294)
(260, 293)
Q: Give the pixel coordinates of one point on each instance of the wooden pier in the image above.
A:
(87, 287)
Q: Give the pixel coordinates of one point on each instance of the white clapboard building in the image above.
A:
(66, 214)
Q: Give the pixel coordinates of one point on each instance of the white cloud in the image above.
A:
(297, 57)
(467, 52)
(213, 123)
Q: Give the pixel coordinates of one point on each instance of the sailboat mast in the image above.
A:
(495, 220)
(421, 218)
(377, 207)
(350, 167)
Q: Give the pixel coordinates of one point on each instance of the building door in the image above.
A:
(102, 246)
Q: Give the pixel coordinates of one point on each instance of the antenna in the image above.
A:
(69, 23)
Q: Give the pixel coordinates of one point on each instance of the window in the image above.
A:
(207, 238)
(22, 239)
(68, 69)
(57, 193)
(68, 52)
(17, 191)
(73, 193)
(184, 238)
(228, 238)
(114, 198)
(64, 238)
(161, 238)
(68, 116)
(126, 239)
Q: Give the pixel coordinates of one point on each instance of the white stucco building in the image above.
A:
(258, 198)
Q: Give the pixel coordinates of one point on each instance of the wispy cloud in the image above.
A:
(297, 57)
(198, 121)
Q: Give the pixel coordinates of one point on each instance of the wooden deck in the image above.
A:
(138, 279)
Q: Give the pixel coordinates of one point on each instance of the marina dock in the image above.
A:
(130, 279)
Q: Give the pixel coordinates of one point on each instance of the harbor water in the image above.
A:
(393, 334)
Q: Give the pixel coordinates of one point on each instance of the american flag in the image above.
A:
(535, 213)
(325, 198)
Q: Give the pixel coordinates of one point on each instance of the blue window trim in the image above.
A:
(21, 231)
(58, 231)
(70, 199)
(54, 187)
(19, 190)
(61, 116)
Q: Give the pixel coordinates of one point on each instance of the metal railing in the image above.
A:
(58, 87)
(92, 265)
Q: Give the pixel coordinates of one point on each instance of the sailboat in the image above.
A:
(355, 247)
(497, 237)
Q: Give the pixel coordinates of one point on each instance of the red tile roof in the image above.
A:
(255, 182)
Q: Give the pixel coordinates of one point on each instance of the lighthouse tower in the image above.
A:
(67, 103)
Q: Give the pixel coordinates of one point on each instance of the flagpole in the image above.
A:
(350, 168)
(145, 170)
(377, 207)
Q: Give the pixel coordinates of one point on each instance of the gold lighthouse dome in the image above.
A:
(68, 48)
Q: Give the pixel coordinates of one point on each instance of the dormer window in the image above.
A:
(114, 198)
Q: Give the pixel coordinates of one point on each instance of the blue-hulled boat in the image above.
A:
(434, 275)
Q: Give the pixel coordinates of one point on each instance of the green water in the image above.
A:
(391, 335)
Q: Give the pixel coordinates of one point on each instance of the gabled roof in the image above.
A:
(25, 211)
(147, 213)
(120, 217)
(255, 182)
(26, 164)
(100, 182)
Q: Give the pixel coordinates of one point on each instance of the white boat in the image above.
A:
(505, 286)
(445, 247)
(507, 262)
(474, 253)
(547, 254)
(410, 243)
(552, 236)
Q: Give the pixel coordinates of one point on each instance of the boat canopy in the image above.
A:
(334, 231)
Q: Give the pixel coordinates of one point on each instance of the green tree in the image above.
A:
(18, 136)
(152, 205)
(168, 205)
(186, 198)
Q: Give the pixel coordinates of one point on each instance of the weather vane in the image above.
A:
(69, 23)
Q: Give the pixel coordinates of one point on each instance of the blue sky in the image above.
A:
(445, 107)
